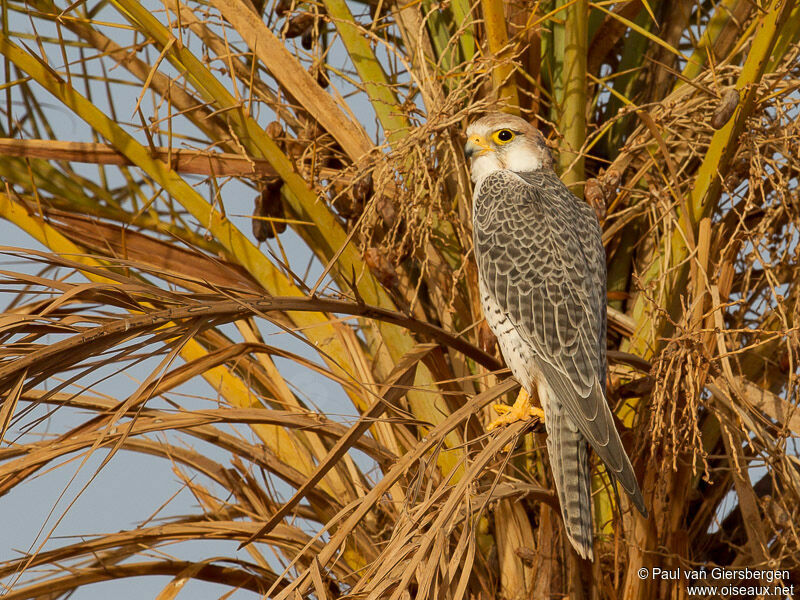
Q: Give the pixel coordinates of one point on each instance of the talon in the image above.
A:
(501, 409)
(522, 410)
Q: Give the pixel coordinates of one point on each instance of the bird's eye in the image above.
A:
(503, 136)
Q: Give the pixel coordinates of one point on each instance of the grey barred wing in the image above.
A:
(538, 256)
(541, 260)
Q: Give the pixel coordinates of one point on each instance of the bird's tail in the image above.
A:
(569, 459)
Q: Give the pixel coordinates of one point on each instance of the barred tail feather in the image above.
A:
(569, 460)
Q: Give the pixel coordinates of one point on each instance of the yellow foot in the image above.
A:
(522, 410)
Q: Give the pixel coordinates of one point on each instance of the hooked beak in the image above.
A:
(476, 145)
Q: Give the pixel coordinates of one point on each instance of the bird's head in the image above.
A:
(502, 141)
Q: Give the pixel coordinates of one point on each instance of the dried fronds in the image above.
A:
(315, 371)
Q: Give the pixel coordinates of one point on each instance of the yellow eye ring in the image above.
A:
(503, 136)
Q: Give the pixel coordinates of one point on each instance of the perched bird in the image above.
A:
(542, 279)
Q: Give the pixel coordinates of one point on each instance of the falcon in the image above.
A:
(542, 280)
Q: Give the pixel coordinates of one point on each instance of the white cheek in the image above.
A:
(522, 162)
(482, 167)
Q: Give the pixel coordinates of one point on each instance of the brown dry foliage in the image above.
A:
(687, 148)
